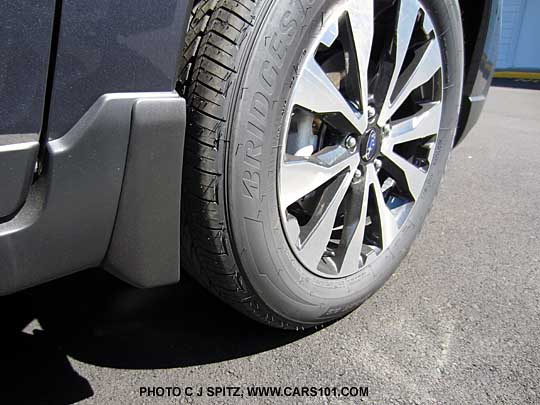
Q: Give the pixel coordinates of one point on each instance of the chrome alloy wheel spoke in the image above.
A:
(423, 124)
(349, 252)
(314, 236)
(427, 61)
(315, 92)
(302, 175)
(360, 14)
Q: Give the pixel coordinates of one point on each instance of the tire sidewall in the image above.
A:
(270, 60)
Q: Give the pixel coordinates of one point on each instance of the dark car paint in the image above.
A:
(25, 32)
(110, 46)
(72, 210)
(98, 47)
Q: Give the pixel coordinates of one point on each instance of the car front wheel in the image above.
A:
(318, 134)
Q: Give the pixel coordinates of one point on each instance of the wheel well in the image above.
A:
(475, 26)
(471, 14)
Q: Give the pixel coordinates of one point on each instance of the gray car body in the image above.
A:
(92, 129)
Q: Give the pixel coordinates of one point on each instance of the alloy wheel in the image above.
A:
(361, 134)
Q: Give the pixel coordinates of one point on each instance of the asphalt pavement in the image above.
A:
(458, 323)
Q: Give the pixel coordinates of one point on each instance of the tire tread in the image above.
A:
(208, 69)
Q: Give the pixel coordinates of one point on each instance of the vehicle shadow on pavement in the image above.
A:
(517, 84)
(97, 319)
(34, 368)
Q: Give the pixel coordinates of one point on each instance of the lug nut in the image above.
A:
(357, 174)
(378, 164)
(387, 128)
(350, 142)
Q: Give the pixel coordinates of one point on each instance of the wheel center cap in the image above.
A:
(370, 145)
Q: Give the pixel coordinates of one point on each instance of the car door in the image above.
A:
(25, 44)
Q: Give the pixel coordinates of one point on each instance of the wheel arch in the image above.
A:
(481, 24)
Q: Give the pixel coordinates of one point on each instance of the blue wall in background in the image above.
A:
(520, 35)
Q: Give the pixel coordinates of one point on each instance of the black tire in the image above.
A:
(232, 238)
